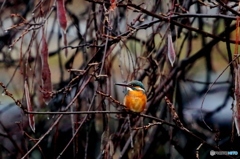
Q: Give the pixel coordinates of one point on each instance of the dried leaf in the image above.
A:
(236, 108)
(113, 5)
(171, 52)
(104, 139)
(237, 118)
(111, 147)
(29, 107)
(46, 73)
(62, 18)
(61, 13)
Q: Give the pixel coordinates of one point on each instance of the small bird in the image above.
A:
(135, 99)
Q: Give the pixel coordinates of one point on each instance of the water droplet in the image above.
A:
(48, 118)
(6, 31)
(33, 14)
(10, 49)
(3, 94)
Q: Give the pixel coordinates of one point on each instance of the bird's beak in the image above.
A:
(122, 84)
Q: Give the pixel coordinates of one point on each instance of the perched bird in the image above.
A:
(135, 98)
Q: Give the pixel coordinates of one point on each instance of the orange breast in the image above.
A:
(135, 101)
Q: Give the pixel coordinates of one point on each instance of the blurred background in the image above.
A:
(65, 57)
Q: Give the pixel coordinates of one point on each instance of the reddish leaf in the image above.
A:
(171, 52)
(236, 108)
(46, 73)
(113, 5)
(61, 13)
(29, 107)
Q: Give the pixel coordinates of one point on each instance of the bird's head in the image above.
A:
(133, 85)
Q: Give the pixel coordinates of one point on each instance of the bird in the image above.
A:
(135, 98)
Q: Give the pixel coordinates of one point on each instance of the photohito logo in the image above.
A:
(212, 152)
